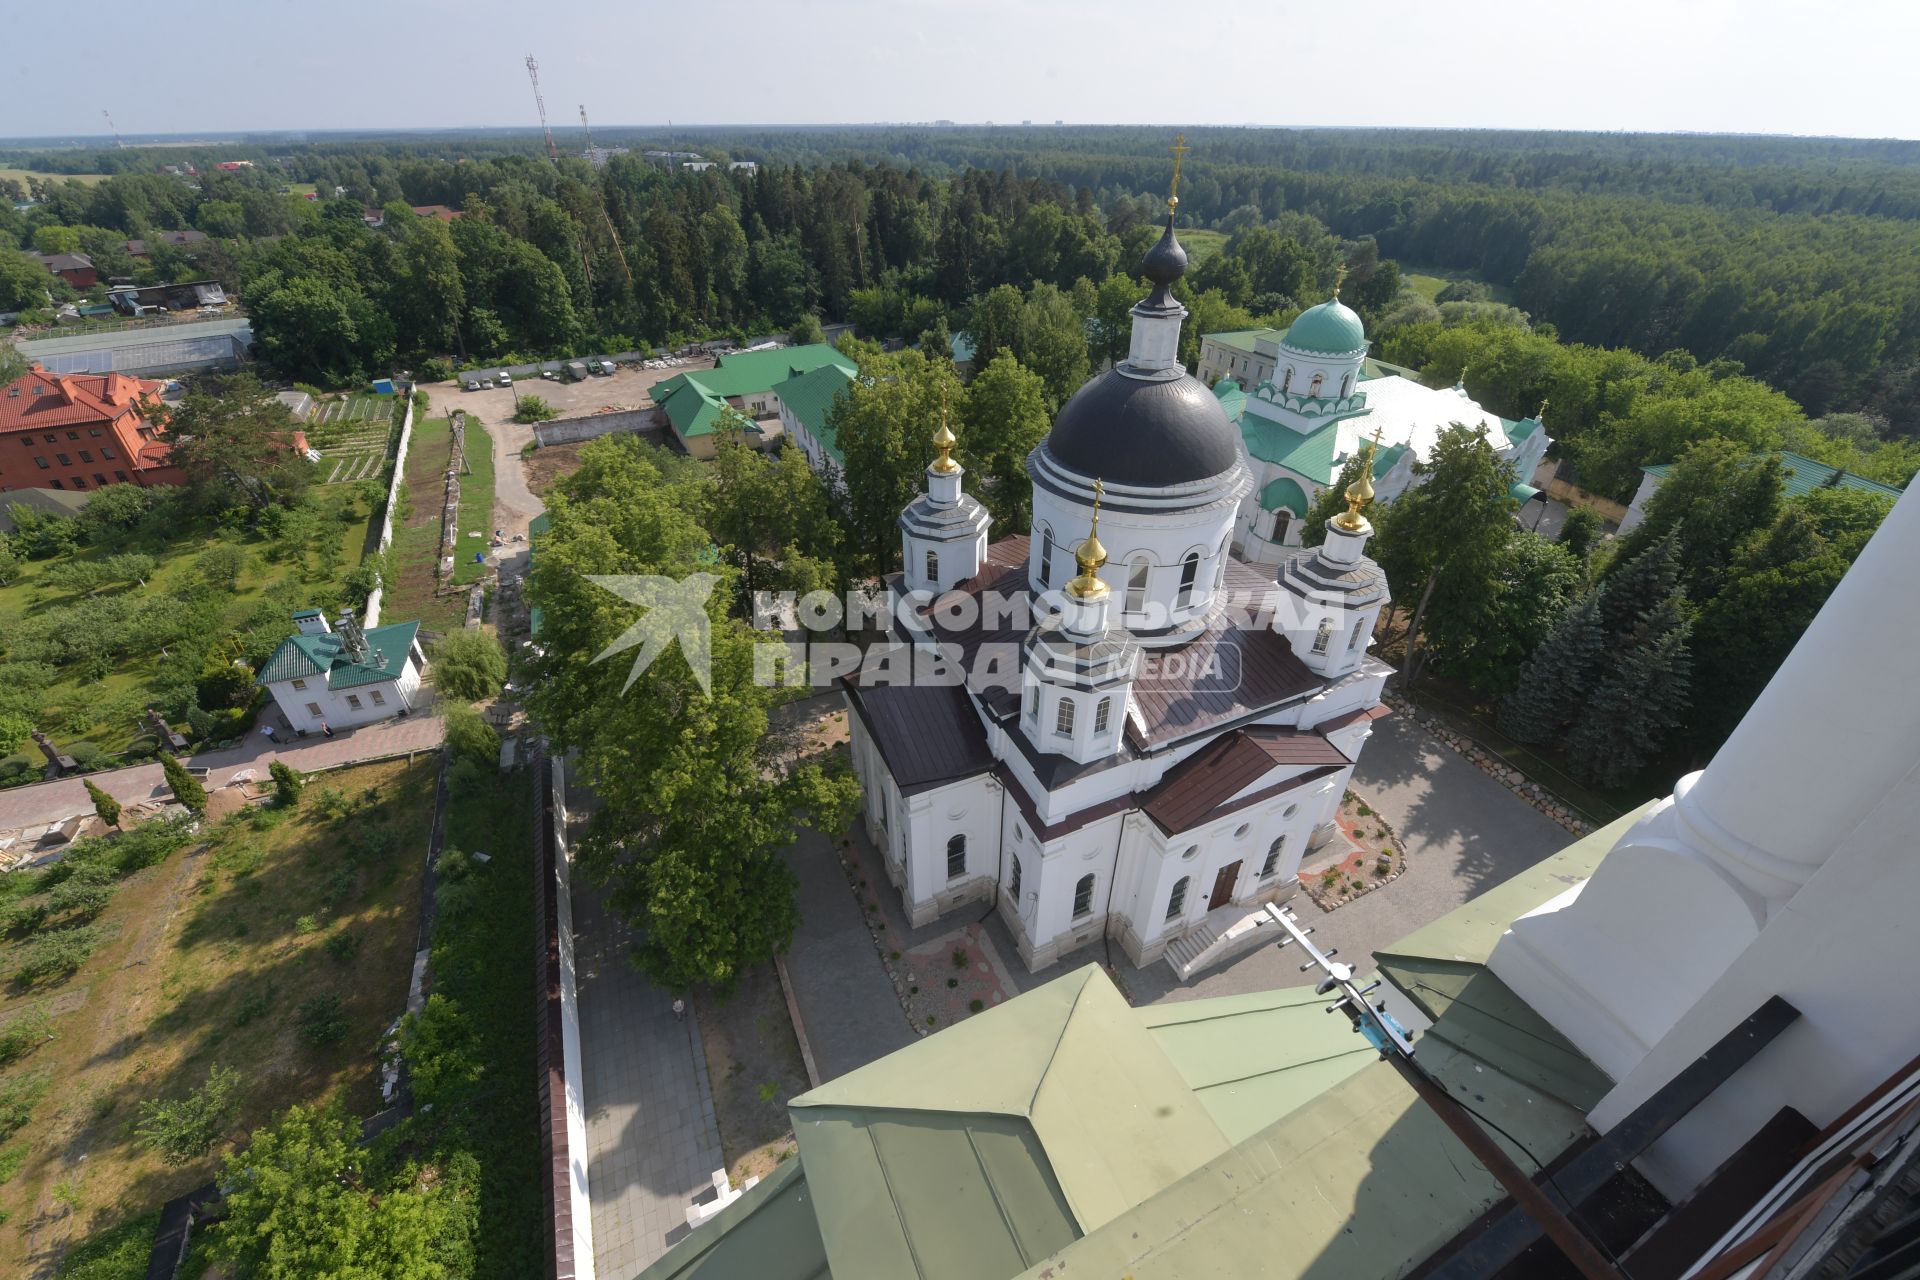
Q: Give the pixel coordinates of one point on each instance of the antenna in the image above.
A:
(118, 141)
(618, 248)
(585, 127)
(533, 74)
(1395, 1044)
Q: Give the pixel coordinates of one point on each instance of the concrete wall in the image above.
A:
(379, 593)
(579, 1222)
(590, 426)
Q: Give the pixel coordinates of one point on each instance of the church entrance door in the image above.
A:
(1223, 886)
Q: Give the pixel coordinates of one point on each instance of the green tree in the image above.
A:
(1556, 678)
(185, 787)
(993, 323)
(1534, 582)
(1581, 530)
(235, 446)
(1112, 330)
(181, 1130)
(56, 239)
(1715, 496)
(1004, 418)
(1440, 542)
(1640, 700)
(884, 426)
(287, 783)
(468, 665)
(1051, 340)
(104, 805)
(807, 330)
(774, 514)
(14, 730)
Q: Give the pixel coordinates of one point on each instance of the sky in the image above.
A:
(1745, 66)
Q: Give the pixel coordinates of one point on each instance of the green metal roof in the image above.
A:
(1283, 492)
(694, 400)
(1802, 475)
(809, 397)
(1244, 340)
(769, 1233)
(1252, 1059)
(302, 657)
(1522, 493)
(1519, 429)
(1384, 459)
(1332, 328)
(1310, 455)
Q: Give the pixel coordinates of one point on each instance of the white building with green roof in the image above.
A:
(699, 405)
(1307, 396)
(323, 678)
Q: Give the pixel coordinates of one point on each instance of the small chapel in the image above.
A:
(1179, 725)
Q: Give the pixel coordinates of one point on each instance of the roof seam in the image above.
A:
(993, 1191)
(899, 1214)
(1055, 1052)
(1274, 1071)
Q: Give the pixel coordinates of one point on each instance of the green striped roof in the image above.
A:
(1283, 492)
(302, 657)
(809, 397)
(694, 400)
(1803, 475)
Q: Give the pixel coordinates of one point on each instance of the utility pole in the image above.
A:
(540, 103)
(1396, 1046)
(117, 140)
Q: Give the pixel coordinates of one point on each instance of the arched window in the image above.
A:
(1282, 521)
(1013, 884)
(1178, 901)
(1319, 380)
(1063, 719)
(956, 857)
(1100, 713)
(1274, 851)
(1189, 572)
(1136, 601)
(1287, 381)
(1323, 636)
(1346, 386)
(1083, 896)
(933, 566)
(1359, 629)
(1046, 555)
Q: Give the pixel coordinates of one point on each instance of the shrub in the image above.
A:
(181, 1130)
(79, 899)
(469, 665)
(103, 804)
(471, 737)
(19, 1095)
(533, 409)
(343, 946)
(321, 1021)
(185, 787)
(334, 805)
(287, 782)
(24, 1034)
(58, 954)
(959, 957)
(24, 917)
(976, 1005)
(433, 369)
(253, 1006)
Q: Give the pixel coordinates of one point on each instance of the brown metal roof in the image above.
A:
(1202, 783)
(1338, 723)
(928, 734)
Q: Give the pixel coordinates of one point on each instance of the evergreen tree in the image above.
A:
(1581, 530)
(1638, 586)
(287, 782)
(185, 787)
(103, 804)
(1556, 679)
(1642, 698)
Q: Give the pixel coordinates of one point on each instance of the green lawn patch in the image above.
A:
(476, 504)
(416, 536)
(1201, 245)
(1429, 281)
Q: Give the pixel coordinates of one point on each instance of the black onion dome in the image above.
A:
(1167, 260)
(1144, 432)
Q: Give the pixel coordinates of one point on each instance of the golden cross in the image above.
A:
(1180, 149)
(1339, 278)
(1540, 414)
(1099, 491)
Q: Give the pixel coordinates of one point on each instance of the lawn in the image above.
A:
(1201, 245)
(1429, 281)
(84, 663)
(476, 504)
(416, 536)
(281, 948)
(24, 176)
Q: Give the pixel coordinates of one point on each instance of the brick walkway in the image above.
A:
(652, 1144)
(48, 802)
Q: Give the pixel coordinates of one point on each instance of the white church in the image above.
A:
(1173, 728)
(1321, 399)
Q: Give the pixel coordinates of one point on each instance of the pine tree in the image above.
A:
(1638, 587)
(287, 782)
(186, 788)
(1556, 680)
(103, 804)
(1640, 700)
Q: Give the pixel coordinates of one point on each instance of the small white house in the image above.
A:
(323, 678)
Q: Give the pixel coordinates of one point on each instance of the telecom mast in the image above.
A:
(533, 74)
(586, 129)
(118, 141)
(619, 249)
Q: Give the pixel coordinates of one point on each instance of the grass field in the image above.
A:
(476, 503)
(354, 434)
(217, 955)
(1429, 281)
(97, 703)
(1201, 245)
(24, 176)
(416, 536)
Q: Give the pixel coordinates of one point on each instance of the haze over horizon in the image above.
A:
(1696, 66)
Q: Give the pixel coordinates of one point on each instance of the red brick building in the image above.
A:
(75, 268)
(80, 431)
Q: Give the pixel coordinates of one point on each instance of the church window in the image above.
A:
(1323, 636)
(1033, 706)
(1013, 883)
(1178, 901)
(1282, 521)
(1240, 832)
(1346, 385)
(1287, 381)
(1100, 712)
(1319, 380)
(1291, 810)
(933, 566)
(1136, 602)
(1189, 573)
(1083, 896)
(956, 857)
(1046, 556)
(1063, 719)
(1272, 863)
(1359, 628)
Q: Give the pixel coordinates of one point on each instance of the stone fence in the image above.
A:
(374, 599)
(592, 425)
(563, 1112)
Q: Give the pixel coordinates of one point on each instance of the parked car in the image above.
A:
(506, 379)
(473, 384)
(548, 375)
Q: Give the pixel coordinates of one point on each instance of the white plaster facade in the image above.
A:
(318, 699)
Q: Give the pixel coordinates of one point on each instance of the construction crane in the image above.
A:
(533, 74)
(604, 215)
(586, 129)
(118, 141)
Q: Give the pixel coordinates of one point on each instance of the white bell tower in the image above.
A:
(943, 532)
(1333, 594)
(1077, 685)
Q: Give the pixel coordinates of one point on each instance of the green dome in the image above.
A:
(1330, 329)
(1284, 492)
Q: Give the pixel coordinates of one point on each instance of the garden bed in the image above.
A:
(1363, 856)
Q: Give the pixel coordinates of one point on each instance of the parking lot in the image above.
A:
(626, 388)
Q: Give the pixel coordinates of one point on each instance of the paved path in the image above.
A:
(849, 1007)
(652, 1144)
(48, 802)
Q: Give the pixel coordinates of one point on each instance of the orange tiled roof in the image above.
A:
(41, 399)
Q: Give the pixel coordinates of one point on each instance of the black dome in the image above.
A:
(1145, 432)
